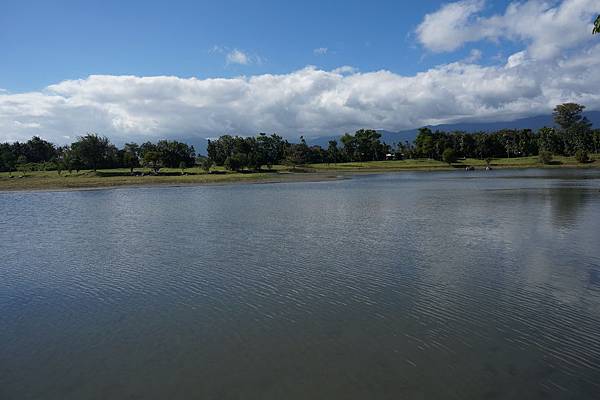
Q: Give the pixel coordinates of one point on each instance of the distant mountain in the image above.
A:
(523, 123)
(198, 143)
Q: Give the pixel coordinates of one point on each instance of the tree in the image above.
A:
(509, 140)
(236, 162)
(424, 143)
(22, 165)
(173, 153)
(218, 150)
(297, 154)
(350, 146)
(38, 150)
(369, 147)
(545, 157)
(568, 114)
(271, 149)
(550, 140)
(152, 160)
(130, 157)
(574, 127)
(332, 152)
(206, 163)
(8, 160)
(582, 156)
(449, 156)
(596, 140)
(93, 150)
(596, 25)
(130, 160)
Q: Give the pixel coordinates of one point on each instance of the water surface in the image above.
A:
(445, 285)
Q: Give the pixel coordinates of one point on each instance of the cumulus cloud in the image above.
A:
(548, 28)
(450, 27)
(237, 57)
(309, 101)
(320, 51)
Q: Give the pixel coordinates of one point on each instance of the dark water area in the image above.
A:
(446, 285)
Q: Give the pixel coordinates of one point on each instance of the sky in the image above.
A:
(133, 70)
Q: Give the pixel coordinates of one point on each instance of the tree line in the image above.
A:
(572, 135)
(94, 152)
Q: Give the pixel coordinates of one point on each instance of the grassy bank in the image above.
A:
(49, 180)
(433, 165)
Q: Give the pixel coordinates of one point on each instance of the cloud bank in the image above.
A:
(548, 28)
(315, 102)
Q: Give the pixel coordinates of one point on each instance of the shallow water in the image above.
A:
(446, 285)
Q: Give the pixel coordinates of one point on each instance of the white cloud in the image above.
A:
(320, 51)
(516, 59)
(346, 69)
(474, 56)
(238, 57)
(309, 101)
(449, 27)
(547, 28)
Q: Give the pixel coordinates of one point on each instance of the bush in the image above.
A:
(545, 157)
(582, 156)
(449, 156)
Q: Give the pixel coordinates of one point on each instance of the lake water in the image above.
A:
(446, 285)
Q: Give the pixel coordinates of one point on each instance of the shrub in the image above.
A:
(582, 156)
(545, 157)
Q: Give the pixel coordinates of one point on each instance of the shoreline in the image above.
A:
(279, 178)
(56, 183)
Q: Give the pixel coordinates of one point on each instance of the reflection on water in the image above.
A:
(439, 285)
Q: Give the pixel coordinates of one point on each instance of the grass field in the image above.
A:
(432, 165)
(51, 180)
(40, 180)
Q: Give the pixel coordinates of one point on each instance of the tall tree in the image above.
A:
(173, 153)
(39, 150)
(8, 160)
(567, 114)
(574, 127)
(332, 152)
(350, 146)
(152, 160)
(93, 150)
(424, 143)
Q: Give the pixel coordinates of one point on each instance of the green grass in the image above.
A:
(432, 165)
(48, 180)
(121, 177)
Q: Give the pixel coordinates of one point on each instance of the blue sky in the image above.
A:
(133, 70)
(44, 42)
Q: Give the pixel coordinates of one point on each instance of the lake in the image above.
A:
(449, 285)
